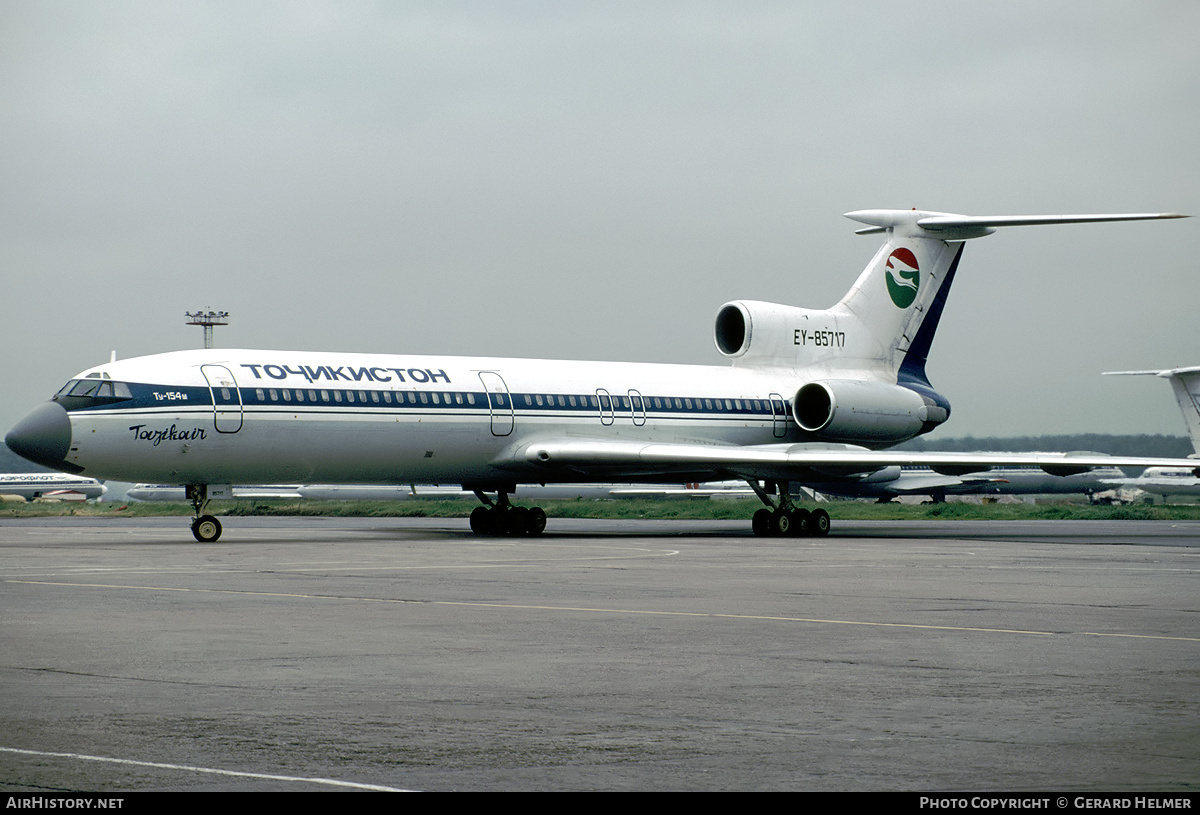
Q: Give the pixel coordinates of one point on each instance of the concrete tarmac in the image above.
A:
(324, 654)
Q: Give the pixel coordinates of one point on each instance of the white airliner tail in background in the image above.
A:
(1168, 481)
(810, 396)
(1185, 383)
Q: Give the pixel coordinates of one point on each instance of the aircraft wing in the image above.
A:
(795, 462)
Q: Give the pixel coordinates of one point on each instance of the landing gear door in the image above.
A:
(227, 400)
(499, 402)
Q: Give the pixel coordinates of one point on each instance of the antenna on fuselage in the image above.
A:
(208, 321)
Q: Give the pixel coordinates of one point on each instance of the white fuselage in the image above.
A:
(300, 417)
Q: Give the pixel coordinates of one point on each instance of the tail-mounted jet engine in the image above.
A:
(750, 330)
(864, 412)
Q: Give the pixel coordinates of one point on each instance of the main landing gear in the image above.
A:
(784, 519)
(205, 528)
(500, 517)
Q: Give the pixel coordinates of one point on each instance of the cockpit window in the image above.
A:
(81, 393)
(114, 390)
(86, 387)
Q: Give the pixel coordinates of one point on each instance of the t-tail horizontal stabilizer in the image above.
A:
(950, 227)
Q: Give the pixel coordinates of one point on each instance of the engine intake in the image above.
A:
(732, 330)
(755, 332)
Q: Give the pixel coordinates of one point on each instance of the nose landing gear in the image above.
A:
(205, 528)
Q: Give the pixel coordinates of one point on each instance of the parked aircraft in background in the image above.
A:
(1168, 481)
(812, 396)
(1164, 481)
(50, 485)
(896, 482)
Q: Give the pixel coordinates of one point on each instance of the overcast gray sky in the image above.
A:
(593, 180)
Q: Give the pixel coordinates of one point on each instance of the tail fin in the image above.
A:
(900, 296)
(1185, 382)
(883, 328)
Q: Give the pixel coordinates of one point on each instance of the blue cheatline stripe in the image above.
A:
(149, 398)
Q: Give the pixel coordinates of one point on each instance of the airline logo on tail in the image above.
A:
(903, 277)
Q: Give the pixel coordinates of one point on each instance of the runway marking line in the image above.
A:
(210, 770)
(591, 610)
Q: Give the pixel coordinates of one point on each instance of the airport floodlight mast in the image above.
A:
(208, 321)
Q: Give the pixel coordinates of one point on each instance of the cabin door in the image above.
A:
(499, 402)
(226, 399)
(608, 413)
(637, 408)
(779, 412)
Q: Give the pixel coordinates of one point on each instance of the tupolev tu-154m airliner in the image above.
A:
(810, 396)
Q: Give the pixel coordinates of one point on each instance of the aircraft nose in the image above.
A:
(43, 436)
